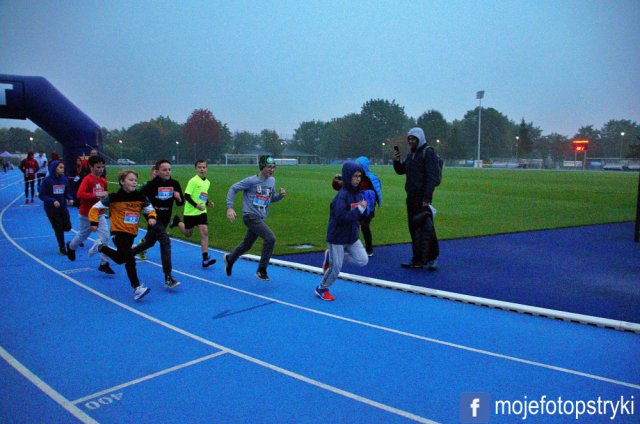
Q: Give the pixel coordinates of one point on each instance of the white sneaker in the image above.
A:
(94, 249)
(140, 292)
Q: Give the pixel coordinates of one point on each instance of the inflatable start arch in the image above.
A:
(34, 98)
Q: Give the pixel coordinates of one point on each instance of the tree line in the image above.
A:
(371, 132)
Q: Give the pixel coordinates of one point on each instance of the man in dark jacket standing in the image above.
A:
(422, 171)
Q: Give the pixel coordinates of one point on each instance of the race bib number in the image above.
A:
(203, 197)
(99, 191)
(58, 189)
(261, 201)
(131, 217)
(164, 193)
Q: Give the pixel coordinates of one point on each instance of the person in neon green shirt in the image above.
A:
(196, 196)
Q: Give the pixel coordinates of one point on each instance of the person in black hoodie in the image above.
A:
(162, 191)
(421, 168)
(343, 242)
(56, 194)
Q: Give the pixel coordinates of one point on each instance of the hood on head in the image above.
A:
(364, 162)
(52, 167)
(348, 169)
(419, 134)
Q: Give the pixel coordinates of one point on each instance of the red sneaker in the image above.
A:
(324, 294)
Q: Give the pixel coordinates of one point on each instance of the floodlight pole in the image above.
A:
(479, 96)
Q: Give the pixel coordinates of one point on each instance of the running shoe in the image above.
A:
(71, 254)
(208, 262)
(141, 291)
(324, 294)
(106, 268)
(228, 265)
(432, 265)
(170, 282)
(262, 275)
(95, 248)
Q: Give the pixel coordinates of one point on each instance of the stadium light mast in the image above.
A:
(479, 96)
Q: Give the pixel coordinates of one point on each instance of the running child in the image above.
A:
(162, 191)
(259, 192)
(196, 196)
(343, 243)
(56, 193)
(125, 207)
(92, 189)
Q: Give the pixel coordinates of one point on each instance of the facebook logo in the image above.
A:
(475, 407)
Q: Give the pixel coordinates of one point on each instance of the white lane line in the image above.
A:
(45, 388)
(411, 335)
(148, 377)
(207, 342)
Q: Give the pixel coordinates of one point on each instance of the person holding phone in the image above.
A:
(421, 169)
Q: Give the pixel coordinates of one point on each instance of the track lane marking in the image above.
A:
(300, 377)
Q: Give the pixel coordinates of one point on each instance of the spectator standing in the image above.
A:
(421, 169)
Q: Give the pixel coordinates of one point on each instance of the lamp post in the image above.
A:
(621, 142)
(120, 142)
(479, 96)
(517, 145)
(177, 151)
(31, 142)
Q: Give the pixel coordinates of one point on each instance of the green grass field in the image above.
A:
(470, 203)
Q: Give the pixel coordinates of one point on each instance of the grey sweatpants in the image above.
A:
(338, 255)
(84, 231)
(256, 227)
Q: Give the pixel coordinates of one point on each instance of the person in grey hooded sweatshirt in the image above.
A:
(259, 192)
(421, 170)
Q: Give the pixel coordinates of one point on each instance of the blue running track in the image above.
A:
(76, 347)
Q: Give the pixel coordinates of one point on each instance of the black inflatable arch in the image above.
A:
(34, 98)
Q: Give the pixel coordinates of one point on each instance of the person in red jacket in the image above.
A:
(29, 168)
(92, 189)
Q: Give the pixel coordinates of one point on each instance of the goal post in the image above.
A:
(240, 159)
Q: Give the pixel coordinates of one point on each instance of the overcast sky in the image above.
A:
(272, 65)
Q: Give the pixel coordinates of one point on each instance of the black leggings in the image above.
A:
(365, 227)
(27, 184)
(60, 223)
(124, 255)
